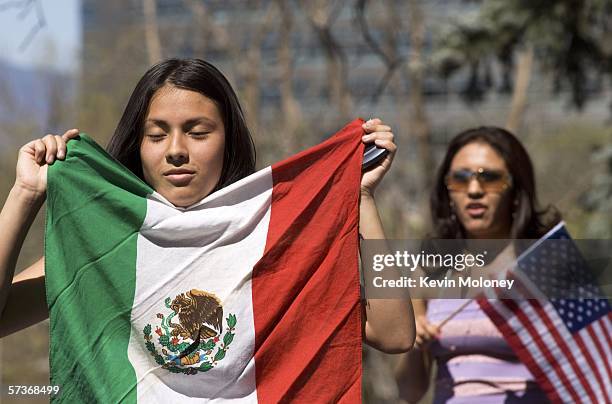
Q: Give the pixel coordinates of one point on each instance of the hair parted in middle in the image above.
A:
(528, 221)
(194, 75)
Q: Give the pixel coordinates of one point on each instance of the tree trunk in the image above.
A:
(519, 94)
(151, 28)
(289, 105)
(202, 21)
(419, 124)
(251, 68)
(321, 16)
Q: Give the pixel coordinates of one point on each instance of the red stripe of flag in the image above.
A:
(599, 348)
(513, 307)
(543, 314)
(306, 286)
(607, 329)
(587, 354)
(521, 351)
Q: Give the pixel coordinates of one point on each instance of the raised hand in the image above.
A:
(34, 158)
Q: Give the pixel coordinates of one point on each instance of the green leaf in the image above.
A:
(159, 359)
(147, 329)
(219, 355)
(150, 346)
(231, 321)
(229, 337)
(167, 302)
(206, 366)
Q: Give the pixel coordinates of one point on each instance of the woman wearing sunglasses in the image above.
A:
(485, 189)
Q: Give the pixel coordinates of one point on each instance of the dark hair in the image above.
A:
(195, 75)
(528, 221)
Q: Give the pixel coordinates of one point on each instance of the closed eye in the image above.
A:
(155, 137)
(199, 134)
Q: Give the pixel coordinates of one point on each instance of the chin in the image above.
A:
(183, 201)
(478, 227)
(183, 197)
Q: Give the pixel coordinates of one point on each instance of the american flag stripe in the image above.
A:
(556, 329)
(592, 336)
(540, 351)
(596, 335)
(578, 359)
(596, 332)
(602, 394)
(543, 350)
(565, 342)
(608, 322)
(549, 347)
(532, 351)
(524, 355)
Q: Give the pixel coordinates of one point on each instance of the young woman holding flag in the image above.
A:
(484, 189)
(183, 133)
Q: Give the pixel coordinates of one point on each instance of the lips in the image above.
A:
(475, 209)
(179, 177)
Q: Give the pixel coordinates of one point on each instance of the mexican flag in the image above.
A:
(250, 295)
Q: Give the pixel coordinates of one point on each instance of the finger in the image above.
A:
(39, 151)
(426, 329)
(372, 137)
(433, 330)
(377, 128)
(61, 147)
(386, 144)
(380, 135)
(422, 331)
(51, 146)
(371, 123)
(425, 334)
(70, 134)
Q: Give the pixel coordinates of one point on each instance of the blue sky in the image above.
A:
(56, 46)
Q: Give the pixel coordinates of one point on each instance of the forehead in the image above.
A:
(478, 154)
(170, 103)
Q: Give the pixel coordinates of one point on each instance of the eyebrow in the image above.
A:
(190, 123)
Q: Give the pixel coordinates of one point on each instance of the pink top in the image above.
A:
(475, 364)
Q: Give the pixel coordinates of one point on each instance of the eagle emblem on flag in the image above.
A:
(195, 343)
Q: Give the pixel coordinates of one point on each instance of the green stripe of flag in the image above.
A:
(95, 208)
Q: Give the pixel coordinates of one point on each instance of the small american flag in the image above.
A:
(564, 342)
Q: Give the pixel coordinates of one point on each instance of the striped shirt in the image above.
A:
(474, 362)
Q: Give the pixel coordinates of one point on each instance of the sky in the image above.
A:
(56, 46)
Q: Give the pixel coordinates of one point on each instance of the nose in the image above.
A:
(475, 190)
(177, 153)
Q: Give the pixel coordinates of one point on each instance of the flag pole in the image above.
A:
(454, 313)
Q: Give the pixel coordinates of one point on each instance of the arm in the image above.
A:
(413, 368)
(22, 298)
(381, 313)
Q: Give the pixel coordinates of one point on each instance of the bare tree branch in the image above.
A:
(25, 8)
(321, 16)
(391, 62)
(22, 4)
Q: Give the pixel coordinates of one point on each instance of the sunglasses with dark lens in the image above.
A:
(489, 180)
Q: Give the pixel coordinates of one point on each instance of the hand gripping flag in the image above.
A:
(250, 295)
(564, 342)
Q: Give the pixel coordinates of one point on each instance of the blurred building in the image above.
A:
(113, 37)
